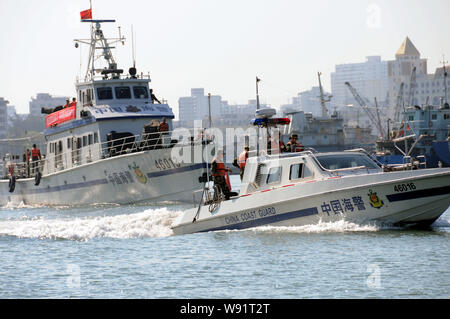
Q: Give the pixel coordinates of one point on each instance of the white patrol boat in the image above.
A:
(102, 148)
(295, 189)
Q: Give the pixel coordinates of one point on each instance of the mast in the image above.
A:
(257, 108)
(257, 93)
(209, 110)
(98, 42)
(445, 79)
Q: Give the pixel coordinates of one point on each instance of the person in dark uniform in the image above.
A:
(293, 145)
(153, 97)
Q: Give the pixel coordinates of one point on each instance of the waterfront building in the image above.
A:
(369, 78)
(196, 107)
(429, 88)
(3, 117)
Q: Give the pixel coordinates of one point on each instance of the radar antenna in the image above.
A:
(98, 42)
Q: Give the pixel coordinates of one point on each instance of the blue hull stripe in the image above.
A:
(176, 170)
(41, 189)
(66, 186)
(268, 220)
(419, 194)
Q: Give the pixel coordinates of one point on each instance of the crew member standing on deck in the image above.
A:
(35, 157)
(242, 160)
(293, 145)
(219, 172)
(26, 160)
(164, 130)
(153, 97)
(67, 103)
(73, 103)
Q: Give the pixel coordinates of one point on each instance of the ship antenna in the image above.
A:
(133, 48)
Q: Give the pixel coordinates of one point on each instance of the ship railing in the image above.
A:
(117, 77)
(21, 169)
(146, 142)
(115, 147)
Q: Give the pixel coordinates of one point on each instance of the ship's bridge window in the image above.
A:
(140, 92)
(345, 161)
(274, 175)
(299, 171)
(122, 92)
(104, 93)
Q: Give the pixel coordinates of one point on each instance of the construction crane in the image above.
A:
(322, 97)
(412, 86)
(378, 118)
(399, 104)
(364, 106)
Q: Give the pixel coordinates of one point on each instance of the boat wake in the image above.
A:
(341, 226)
(11, 206)
(149, 223)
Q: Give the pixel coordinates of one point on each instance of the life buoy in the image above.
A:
(12, 183)
(37, 178)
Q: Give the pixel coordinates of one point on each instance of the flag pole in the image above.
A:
(257, 108)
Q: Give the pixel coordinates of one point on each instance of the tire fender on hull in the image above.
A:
(12, 184)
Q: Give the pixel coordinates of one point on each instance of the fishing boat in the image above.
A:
(423, 136)
(295, 189)
(107, 147)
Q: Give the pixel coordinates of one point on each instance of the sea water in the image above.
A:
(129, 251)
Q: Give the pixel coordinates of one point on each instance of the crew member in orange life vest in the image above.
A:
(164, 131)
(73, 103)
(163, 126)
(67, 103)
(219, 173)
(242, 160)
(35, 157)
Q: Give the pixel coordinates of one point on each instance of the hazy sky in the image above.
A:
(220, 45)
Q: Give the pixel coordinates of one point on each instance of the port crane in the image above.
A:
(372, 117)
(323, 100)
(399, 103)
(412, 86)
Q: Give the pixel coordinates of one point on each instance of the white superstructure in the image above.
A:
(108, 147)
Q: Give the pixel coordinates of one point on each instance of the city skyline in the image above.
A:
(220, 47)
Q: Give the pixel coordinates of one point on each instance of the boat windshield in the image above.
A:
(340, 161)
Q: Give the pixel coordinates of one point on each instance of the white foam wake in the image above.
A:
(150, 223)
(11, 206)
(340, 226)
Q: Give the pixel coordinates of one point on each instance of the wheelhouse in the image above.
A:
(277, 171)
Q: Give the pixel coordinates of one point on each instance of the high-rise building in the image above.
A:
(3, 117)
(45, 100)
(429, 88)
(196, 106)
(369, 78)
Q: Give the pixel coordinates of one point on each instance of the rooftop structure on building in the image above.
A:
(410, 68)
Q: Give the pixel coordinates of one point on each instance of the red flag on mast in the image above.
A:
(86, 14)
